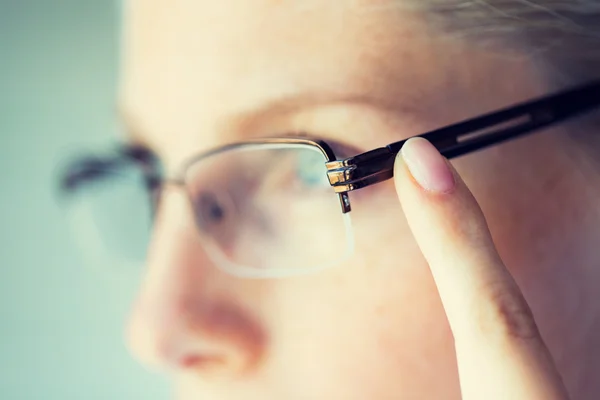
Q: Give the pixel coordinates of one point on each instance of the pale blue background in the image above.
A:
(61, 323)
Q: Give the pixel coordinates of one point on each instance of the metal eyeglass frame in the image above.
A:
(377, 165)
(365, 169)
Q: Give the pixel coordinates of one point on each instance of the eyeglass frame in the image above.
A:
(377, 165)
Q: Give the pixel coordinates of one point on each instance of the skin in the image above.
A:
(202, 74)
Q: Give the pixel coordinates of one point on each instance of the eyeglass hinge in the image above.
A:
(360, 171)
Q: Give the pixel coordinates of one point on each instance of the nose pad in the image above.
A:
(187, 315)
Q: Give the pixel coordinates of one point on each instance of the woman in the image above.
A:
(426, 306)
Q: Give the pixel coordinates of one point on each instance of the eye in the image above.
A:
(310, 169)
(211, 209)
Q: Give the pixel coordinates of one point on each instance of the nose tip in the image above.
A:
(221, 342)
(187, 315)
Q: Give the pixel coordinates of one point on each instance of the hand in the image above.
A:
(499, 350)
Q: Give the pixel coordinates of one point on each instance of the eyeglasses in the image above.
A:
(275, 207)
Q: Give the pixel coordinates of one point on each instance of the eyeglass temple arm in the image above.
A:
(464, 137)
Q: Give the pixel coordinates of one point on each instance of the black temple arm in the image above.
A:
(496, 127)
(464, 137)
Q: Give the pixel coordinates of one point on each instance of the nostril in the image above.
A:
(211, 366)
(201, 361)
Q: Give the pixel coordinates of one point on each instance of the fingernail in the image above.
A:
(427, 166)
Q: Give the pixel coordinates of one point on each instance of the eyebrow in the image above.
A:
(279, 104)
(315, 98)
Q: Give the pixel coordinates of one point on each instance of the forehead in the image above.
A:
(246, 40)
(200, 66)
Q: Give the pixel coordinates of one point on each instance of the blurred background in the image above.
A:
(61, 321)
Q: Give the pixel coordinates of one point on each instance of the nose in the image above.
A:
(187, 316)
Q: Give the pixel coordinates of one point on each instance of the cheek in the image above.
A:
(377, 319)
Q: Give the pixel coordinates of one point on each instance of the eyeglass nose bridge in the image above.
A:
(156, 186)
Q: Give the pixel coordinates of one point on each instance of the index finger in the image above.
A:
(499, 350)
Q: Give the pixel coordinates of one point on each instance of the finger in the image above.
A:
(499, 350)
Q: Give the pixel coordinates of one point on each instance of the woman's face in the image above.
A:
(200, 74)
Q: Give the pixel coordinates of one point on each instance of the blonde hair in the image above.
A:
(561, 36)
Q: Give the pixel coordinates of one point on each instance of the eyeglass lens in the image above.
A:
(257, 208)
